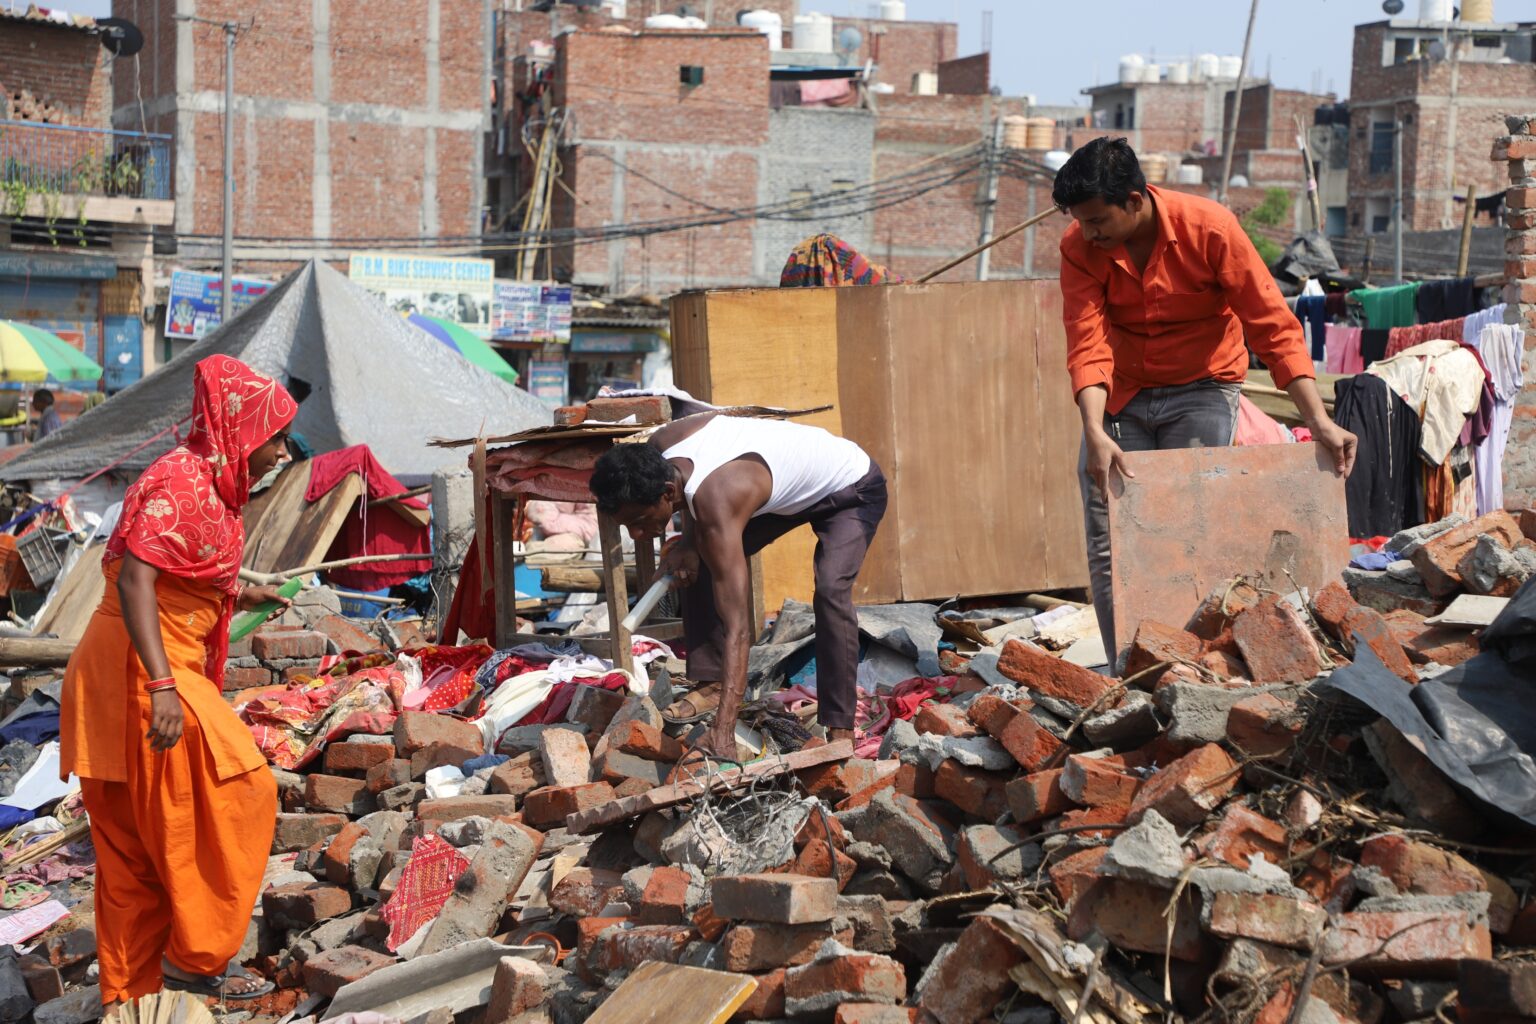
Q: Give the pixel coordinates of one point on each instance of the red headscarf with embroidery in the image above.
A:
(183, 515)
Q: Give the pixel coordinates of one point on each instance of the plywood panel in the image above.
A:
(1195, 517)
(865, 402)
(72, 606)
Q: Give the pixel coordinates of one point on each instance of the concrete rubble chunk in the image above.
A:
(1149, 851)
(481, 893)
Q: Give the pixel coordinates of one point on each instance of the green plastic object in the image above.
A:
(247, 622)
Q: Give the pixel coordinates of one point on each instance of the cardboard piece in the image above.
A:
(1195, 517)
(658, 993)
(1470, 611)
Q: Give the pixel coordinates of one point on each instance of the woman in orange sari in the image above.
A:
(181, 802)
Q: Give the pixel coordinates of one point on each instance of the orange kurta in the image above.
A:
(181, 837)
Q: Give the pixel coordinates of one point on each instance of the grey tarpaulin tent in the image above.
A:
(372, 378)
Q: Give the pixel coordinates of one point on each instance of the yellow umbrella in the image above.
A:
(19, 359)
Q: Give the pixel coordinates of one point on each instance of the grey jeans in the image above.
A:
(1198, 415)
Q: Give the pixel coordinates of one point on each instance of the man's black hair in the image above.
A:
(1104, 169)
(44, 396)
(629, 474)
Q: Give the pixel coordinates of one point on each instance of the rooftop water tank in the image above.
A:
(1016, 132)
(1479, 12)
(1154, 167)
(1208, 66)
(1151, 72)
(1178, 73)
(616, 8)
(1230, 67)
(1056, 159)
(813, 32)
(666, 21)
(893, 10)
(1436, 11)
(1189, 174)
(1130, 68)
(768, 23)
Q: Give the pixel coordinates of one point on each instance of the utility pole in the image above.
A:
(1397, 202)
(226, 288)
(1237, 107)
(989, 207)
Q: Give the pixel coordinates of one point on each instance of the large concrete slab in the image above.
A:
(1193, 517)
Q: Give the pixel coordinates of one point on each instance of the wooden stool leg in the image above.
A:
(612, 542)
(504, 566)
(645, 564)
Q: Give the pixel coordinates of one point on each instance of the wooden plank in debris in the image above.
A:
(283, 530)
(74, 602)
(658, 993)
(677, 792)
(34, 652)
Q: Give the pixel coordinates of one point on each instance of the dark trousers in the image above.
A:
(845, 524)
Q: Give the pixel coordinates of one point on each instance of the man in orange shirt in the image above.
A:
(1163, 294)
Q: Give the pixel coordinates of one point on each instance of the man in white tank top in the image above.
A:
(739, 483)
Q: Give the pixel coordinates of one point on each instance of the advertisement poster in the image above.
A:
(192, 311)
(547, 381)
(448, 288)
(531, 311)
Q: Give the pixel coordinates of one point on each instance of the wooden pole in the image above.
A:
(34, 652)
(1237, 108)
(1464, 254)
(1370, 250)
(1311, 178)
(952, 264)
(275, 578)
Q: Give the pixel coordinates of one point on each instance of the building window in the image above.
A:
(1334, 221)
(1381, 147)
(1130, 116)
(1119, 115)
(1378, 216)
(799, 199)
(1404, 49)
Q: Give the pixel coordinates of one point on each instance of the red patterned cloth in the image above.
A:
(447, 676)
(828, 261)
(183, 515)
(425, 885)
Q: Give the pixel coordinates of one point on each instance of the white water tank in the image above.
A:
(813, 32)
(1178, 73)
(667, 21)
(893, 10)
(1437, 11)
(1130, 68)
(1230, 67)
(769, 24)
(1479, 12)
(924, 83)
(616, 8)
(1208, 66)
(1151, 72)
(1056, 159)
(1190, 174)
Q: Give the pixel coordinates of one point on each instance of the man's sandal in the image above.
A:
(694, 706)
(216, 985)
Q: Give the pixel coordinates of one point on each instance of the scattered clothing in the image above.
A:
(1442, 380)
(1342, 350)
(828, 261)
(1389, 307)
(1384, 494)
(1401, 339)
(1472, 326)
(1501, 346)
(1255, 426)
(1375, 561)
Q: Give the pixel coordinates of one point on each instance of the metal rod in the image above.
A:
(1237, 107)
(648, 602)
(1397, 202)
(227, 259)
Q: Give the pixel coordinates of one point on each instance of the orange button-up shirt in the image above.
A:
(1183, 318)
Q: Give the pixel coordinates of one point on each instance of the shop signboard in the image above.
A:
(459, 289)
(192, 310)
(538, 311)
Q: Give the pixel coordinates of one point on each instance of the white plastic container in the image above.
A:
(1230, 68)
(616, 8)
(1478, 12)
(1437, 11)
(1178, 73)
(925, 83)
(1056, 159)
(1130, 68)
(1190, 174)
(1208, 66)
(893, 10)
(1151, 72)
(665, 21)
(769, 24)
(813, 32)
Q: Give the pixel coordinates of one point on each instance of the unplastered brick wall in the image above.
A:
(1517, 153)
(52, 74)
(900, 49)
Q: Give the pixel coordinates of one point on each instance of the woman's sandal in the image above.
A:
(694, 706)
(214, 985)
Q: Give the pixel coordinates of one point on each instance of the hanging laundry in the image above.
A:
(1389, 307)
(1501, 347)
(1400, 339)
(1445, 300)
(1373, 345)
(1384, 494)
(1451, 487)
(1343, 349)
(1472, 327)
(1310, 311)
(1442, 381)
(1336, 305)
(1255, 426)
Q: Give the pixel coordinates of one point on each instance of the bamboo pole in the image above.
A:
(952, 264)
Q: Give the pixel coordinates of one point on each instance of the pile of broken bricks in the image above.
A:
(1213, 833)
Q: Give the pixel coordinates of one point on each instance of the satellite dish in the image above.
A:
(120, 36)
(849, 40)
(1392, 7)
(1437, 50)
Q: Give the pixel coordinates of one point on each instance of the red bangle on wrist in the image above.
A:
(156, 685)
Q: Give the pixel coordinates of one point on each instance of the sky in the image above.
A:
(1056, 48)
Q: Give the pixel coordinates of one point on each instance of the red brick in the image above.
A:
(974, 978)
(857, 977)
(1343, 619)
(297, 645)
(763, 947)
(1036, 796)
(237, 678)
(974, 791)
(1263, 724)
(813, 860)
(1220, 608)
(1243, 833)
(388, 774)
(766, 1001)
(301, 831)
(1278, 920)
(1528, 515)
(991, 714)
(587, 931)
(1030, 743)
(642, 739)
(915, 780)
(621, 949)
(415, 730)
(1189, 789)
(338, 854)
(1443, 645)
(943, 720)
(347, 636)
(356, 758)
(1276, 643)
(550, 806)
(567, 761)
(1082, 820)
(708, 924)
(300, 904)
(584, 892)
(1154, 644)
(874, 1013)
(1097, 782)
(1131, 915)
(338, 795)
(1427, 870)
(665, 899)
(452, 808)
(1405, 944)
(519, 776)
(646, 409)
(1438, 558)
(517, 987)
(325, 973)
(1032, 667)
(773, 898)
